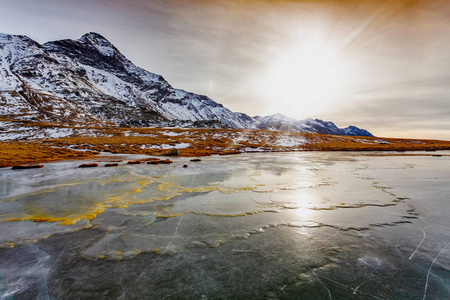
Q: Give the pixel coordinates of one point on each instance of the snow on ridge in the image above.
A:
(11, 131)
(180, 94)
(106, 51)
(12, 38)
(5, 38)
(108, 83)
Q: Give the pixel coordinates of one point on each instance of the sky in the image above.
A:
(380, 65)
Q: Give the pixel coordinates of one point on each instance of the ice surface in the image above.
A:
(267, 225)
(168, 146)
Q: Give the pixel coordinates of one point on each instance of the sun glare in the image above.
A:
(309, 78)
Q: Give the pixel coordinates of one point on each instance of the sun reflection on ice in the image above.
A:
(300, 202)
(303, 213)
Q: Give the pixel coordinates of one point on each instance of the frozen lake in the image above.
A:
(267, 226)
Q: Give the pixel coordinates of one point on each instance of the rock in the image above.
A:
(153, 162)
(173, 152)
(134, 162)
(165, 161)
(185, 166)
(111, 165)
(151, 159)
(196, 159)
(92, 165)
(23, 167)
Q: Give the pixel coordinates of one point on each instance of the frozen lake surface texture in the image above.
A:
(260, 226)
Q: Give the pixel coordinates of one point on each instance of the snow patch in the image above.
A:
(167, 146)
(287, 141)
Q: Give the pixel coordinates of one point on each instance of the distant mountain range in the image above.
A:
(88, 81)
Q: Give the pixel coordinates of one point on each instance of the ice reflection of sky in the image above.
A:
(293, 187)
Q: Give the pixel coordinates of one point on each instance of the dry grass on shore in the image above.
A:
(20, 153)
(194, 142)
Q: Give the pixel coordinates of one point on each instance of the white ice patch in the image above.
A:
(248, 149)
(381, 141)
(167, 146)
(364, 141)
(173, 133)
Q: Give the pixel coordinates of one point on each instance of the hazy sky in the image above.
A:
(380, 65)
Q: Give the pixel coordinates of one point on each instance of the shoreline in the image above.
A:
(33, 153)
(31, 143)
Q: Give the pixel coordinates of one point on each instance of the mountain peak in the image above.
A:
(280, 116)
(94, 38)
(99, 42)
(12, 38)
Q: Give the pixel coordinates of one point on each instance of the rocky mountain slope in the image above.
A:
(88, 81)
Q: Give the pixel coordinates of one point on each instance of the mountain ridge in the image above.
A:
(89, 80)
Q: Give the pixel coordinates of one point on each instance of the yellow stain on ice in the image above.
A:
(225, 190)
(134, 193)
(111, 180)
(172, 188)
(39, 216)
(170, 215)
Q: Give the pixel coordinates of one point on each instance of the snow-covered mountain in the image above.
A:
(283, 123)
(88, 81)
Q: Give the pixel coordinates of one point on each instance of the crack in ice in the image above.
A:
(429, 270)
(424, 235)
(123, 295)
(344, 285)
(315, 275)
(356, 289)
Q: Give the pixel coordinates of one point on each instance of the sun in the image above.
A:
(308, 77)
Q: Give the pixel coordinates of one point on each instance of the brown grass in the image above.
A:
(19, 153)
(203, 142)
